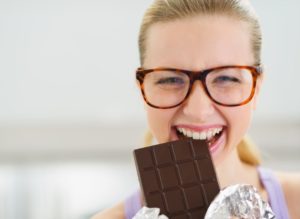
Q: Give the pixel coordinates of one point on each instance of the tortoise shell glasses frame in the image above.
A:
(255, 71)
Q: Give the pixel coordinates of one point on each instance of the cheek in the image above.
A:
(239, 120)
(160, 121)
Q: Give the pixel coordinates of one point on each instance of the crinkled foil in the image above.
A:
(239, 201)
(149, 213)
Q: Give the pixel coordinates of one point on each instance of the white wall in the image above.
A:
(74, 60)
(281, 56)
(68, 60)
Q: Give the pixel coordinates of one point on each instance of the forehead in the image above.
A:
(199, 42)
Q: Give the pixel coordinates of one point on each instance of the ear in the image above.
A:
(259, 83)
(138, 84)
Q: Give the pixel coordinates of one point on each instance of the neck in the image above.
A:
(234, 171)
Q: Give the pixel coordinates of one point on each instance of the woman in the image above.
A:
(200, 77)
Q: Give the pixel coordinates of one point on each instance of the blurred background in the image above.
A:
(70, 113)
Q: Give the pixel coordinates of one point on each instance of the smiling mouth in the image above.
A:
(210, 136)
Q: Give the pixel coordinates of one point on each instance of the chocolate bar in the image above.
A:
(178, 177)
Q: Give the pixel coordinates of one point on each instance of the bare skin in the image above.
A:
(290, 183)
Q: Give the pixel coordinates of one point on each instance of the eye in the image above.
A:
(170, 80)
(226, 79)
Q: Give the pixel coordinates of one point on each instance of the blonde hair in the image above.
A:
(170, 10)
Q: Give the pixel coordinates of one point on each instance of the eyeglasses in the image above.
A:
(165, 88)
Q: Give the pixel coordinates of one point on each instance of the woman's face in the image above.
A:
(196, 44)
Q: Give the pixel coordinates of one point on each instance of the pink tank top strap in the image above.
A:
(275, 193)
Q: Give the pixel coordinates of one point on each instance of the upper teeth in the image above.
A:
(202, 135)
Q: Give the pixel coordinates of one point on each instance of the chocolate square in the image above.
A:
(168, 177)
(194, 197)
(148, 176)
(205, 173)
(162, 155)
(185, 176)
(176, 206)
(181, 153)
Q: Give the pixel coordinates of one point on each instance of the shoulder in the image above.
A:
(116, 212)
(290, 183)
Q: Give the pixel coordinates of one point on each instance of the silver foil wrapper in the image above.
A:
(149, 213)
(239, 201)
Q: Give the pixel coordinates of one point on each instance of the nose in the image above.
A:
(198, 106)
